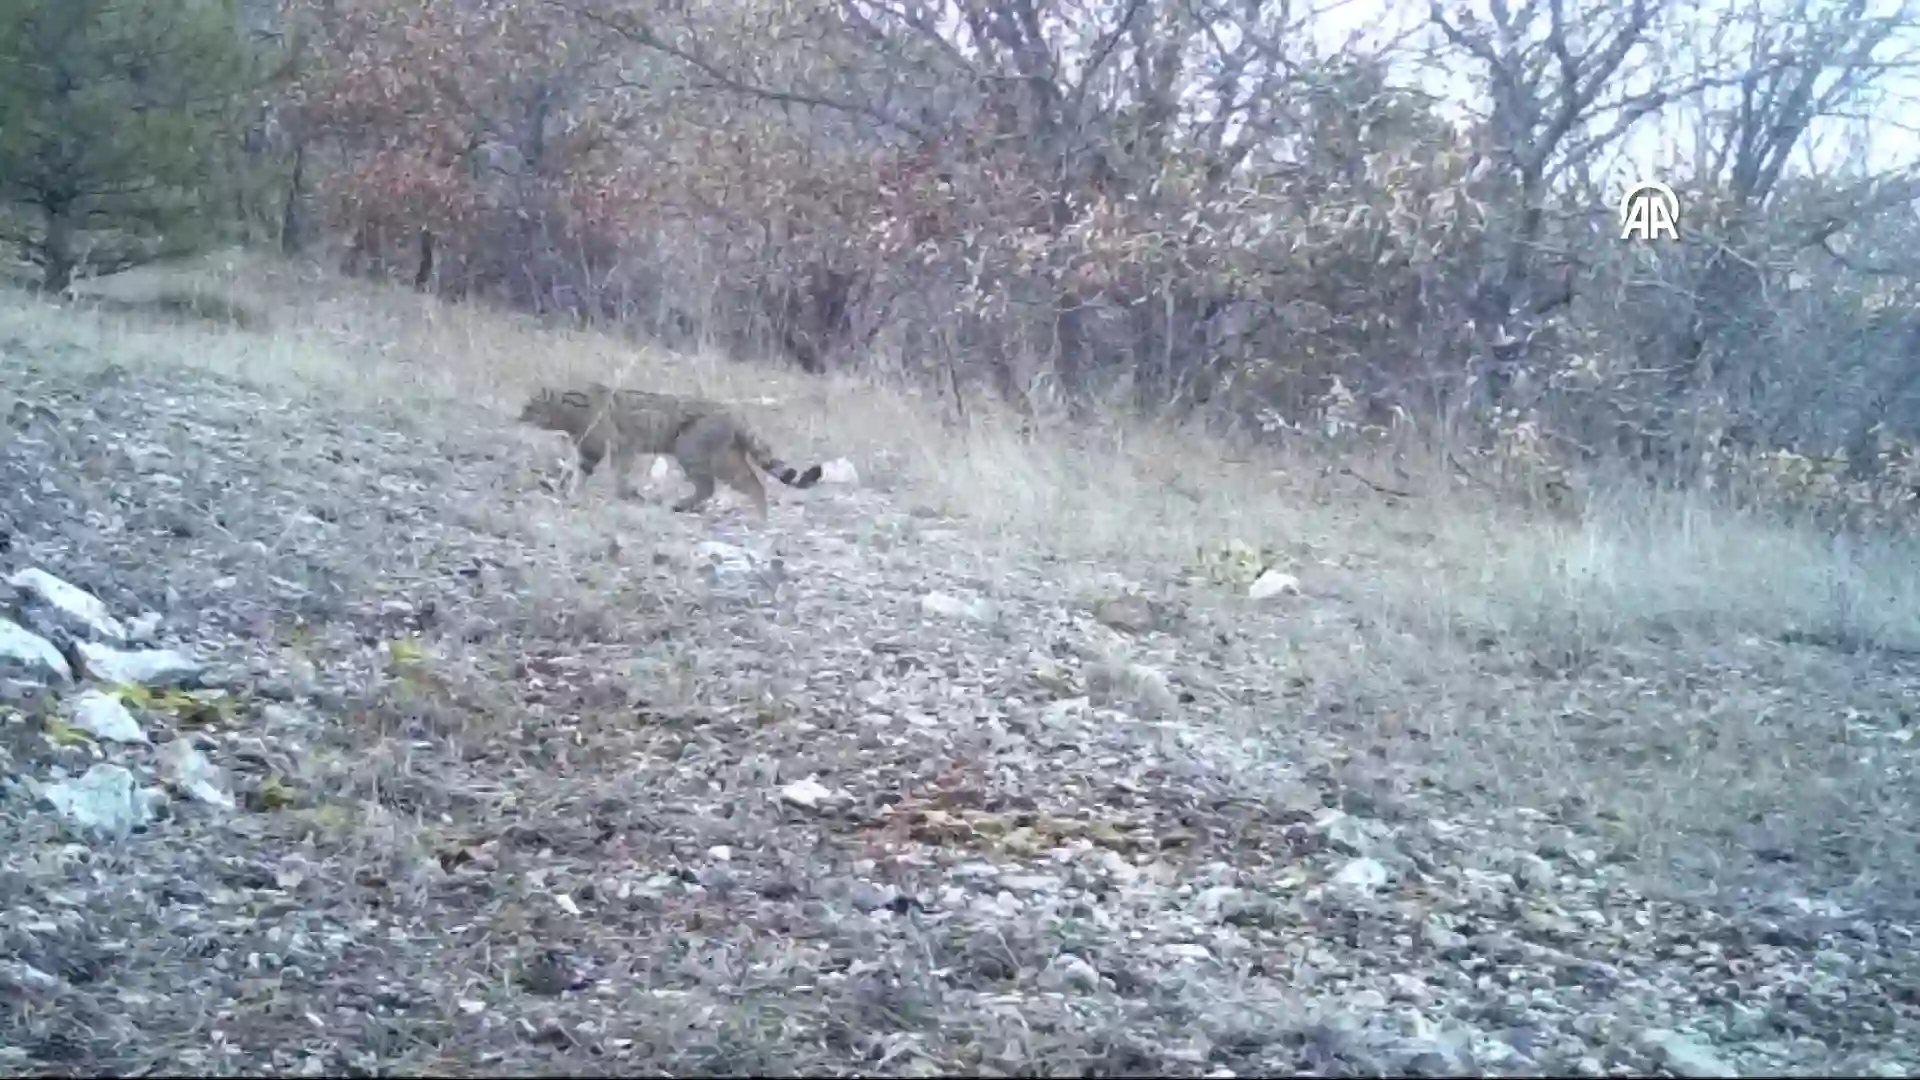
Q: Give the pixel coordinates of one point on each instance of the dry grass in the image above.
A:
(389, 346)
(1130, 492)
(1680, 671)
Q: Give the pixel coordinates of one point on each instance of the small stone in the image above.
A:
(143, 628)
(26, 655)
(1533, 872)
(187, 769)
(67, 607)
(948, 606)
(1346, 833)
(143, 667)
(104, 802)
(1368, 1000)
(1130, 612)
(1684, 1055)
(840, 472)
(1214, 902)
(1362, 875)
(20, 977)
(1069, 972)
(277, 716)
(1409, 987)
(1272, 583)
(103, 716)
(808, 794)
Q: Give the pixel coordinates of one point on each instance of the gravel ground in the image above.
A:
(524, 785)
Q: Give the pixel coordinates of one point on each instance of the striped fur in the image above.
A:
(709, 442)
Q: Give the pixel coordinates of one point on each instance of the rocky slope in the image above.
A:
(449, 775)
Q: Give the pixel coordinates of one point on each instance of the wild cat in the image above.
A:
(709, 442)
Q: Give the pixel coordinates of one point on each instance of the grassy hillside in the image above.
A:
(1450, 584)
(1660, 698)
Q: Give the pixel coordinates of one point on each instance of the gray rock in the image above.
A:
(839, 471)
(1533, 872)
(28, 656)
(948, 606)
(103, 716)
(1362, 875)
(105, 802)
(141, 667)
(187, 769)
(1069, 972)
(53, 604)
(1348, 833)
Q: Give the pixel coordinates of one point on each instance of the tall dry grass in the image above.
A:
(1127, 492)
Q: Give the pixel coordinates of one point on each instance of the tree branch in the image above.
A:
(647, 38)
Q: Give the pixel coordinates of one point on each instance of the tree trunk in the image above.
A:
(292, 229)
(57, 260)
(423, 273)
